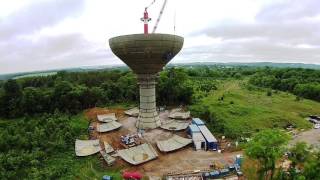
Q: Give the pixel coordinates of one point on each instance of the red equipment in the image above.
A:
(145, 20)
(132, 175)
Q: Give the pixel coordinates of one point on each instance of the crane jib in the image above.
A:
(159, 17)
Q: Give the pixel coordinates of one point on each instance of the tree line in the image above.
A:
(72, 92)
(303, 83)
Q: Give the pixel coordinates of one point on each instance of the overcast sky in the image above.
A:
(50, 34)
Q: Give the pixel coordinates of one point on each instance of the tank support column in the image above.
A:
(148, 115)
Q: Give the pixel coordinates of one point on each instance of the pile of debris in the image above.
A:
(315, 119)
(110, 159)
(131, 140)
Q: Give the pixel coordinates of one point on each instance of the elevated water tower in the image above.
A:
(146, 54)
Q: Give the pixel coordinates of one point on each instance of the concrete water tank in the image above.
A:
(146, 55)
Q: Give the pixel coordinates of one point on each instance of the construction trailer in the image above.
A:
(197, 137)
(197, 121)
(211, 141)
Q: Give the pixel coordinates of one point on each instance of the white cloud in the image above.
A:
(48, 34)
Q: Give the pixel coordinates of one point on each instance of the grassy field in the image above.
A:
(244, 110)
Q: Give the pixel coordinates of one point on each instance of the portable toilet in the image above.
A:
(197, 122)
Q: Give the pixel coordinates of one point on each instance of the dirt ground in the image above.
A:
(311, 137)
(180, 160)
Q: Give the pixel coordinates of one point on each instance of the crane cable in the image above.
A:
(159, 17)
(151, 4)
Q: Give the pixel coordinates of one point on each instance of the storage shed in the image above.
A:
(197, 121)
(212, 143)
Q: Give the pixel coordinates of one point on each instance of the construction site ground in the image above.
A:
(185, 159)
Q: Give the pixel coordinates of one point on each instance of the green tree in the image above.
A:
(267, 147)
(300, 153)
(32, 101)
(11, 99)
(312, 167)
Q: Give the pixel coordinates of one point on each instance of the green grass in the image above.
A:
(83, 168)
(245, 111)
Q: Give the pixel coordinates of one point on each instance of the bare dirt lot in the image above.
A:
(180, 160)
(311, 137)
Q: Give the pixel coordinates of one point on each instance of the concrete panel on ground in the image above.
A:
(175, 125)
(109, 126)
(138, 154)
(87, 147)
(174, 143)
(132, 112)
(107, 117)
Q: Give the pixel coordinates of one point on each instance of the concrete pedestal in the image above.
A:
(148, 115)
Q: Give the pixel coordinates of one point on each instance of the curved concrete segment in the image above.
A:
(107, 117)
(146, 54)
(172, 144)
(132, 112)
(138, 154)
(175, 125)
(179, 114)
(87, 147)
(105, 127)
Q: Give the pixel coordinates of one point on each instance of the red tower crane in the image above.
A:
(146, 18)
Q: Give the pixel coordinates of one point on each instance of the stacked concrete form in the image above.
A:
(107, 117)
(179, 114)
(146, 55)
(132, 112)
(109, 126)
